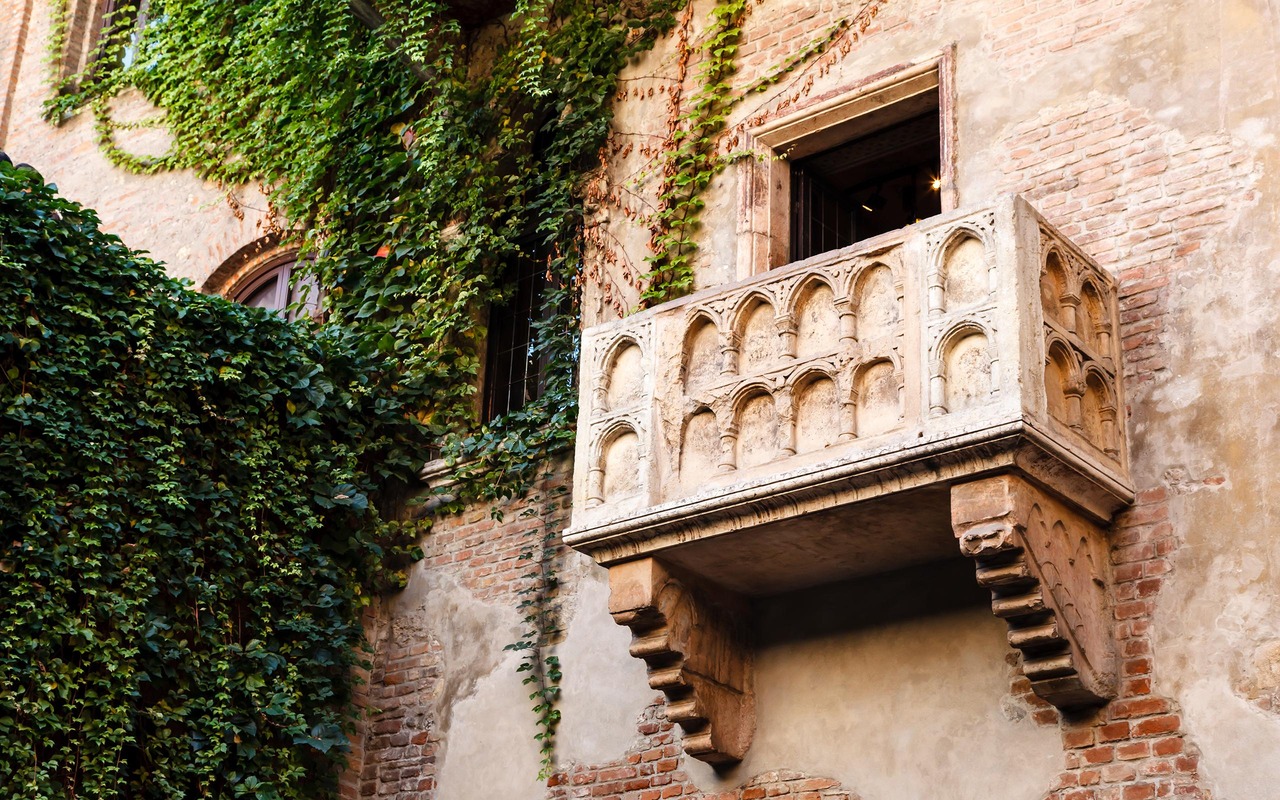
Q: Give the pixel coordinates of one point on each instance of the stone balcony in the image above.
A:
(952, 384)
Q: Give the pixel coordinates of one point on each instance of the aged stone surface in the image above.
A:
(818, 396)
(692, 637)
(977, 341)
(1046, 566)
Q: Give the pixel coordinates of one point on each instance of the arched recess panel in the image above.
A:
(621, 465)
(1053, 285)
(699, 450)
(757, 431)
(701, 354)
(877, 303)
(967, 367)
(817, 414)
(1095, 412)
(1093, 314)
(967, 274)
(760, 342)
(626, 377)
(878, 406)
(1057, 375)
(817, 323)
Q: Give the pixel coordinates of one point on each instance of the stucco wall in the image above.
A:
(1146, 131)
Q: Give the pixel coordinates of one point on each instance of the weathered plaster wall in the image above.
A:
(180, 220)
(858, 681)
(1147, 132)
(882, 688)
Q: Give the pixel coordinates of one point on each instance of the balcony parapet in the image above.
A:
(821, 421)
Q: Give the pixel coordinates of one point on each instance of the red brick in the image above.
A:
(1115, 773)
(1137, 666)
(1128, 751)
(1140, 791)
(1154, 725)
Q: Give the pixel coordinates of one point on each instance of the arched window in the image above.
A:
(272, 286)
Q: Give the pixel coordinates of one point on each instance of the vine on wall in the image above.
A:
(699, 143)
(413, 162)
(411, 195)
(188, 531)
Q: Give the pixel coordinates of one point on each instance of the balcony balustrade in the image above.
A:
(867, 409)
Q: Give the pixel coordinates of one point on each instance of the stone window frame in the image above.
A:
(764, 220)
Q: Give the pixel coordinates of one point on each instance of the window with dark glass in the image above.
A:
(514, 374)
(880, 180)
(275, 287)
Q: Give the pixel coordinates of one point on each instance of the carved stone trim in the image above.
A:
(1047, 568)
(692, 638)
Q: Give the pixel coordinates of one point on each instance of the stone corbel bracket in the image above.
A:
(1047, 567)
(692, 638)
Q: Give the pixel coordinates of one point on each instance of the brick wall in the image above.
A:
(1142, 198)
(13, 44)
(654, 769)
(398, 755)
(1134, 748)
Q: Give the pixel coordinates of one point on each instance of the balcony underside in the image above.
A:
(843, 520)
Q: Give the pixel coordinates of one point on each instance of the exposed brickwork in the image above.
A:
(1136, 746)
(1137, 196)
(13, 45)
(397, 757)
(1023, 32)
(773, 35)
(1141, 199)
(654, 770)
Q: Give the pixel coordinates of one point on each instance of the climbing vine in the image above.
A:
(188, 531)
(410, 194)
(542, 622)
(414, 158)
(694, 157)
(698, 145)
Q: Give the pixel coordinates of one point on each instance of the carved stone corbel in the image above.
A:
(693, 640)
(1047, 567)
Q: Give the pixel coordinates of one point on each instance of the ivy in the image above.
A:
(542, 623)
(693, 157)
(411, 171)
(187, 524)
(697, 147)
(410, 195)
